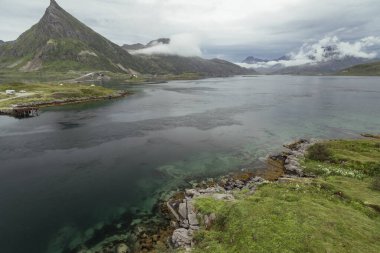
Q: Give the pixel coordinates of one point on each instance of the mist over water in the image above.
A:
(77, 167)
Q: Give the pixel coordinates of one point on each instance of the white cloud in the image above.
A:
(326, 49)
(270, 27)
(180, 44)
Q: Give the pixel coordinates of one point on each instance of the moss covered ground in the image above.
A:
(338, 211)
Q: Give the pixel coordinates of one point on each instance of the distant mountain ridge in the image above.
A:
(254, 60)
(329, 61)
(323, 67)
(177, 64)
(139, 46)
(59, 42)
(368, 69)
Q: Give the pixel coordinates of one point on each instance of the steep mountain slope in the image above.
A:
(369, 69)
(61, 42)
(174, 64)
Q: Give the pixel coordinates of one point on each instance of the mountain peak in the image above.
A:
(53, 5)
(53, 2)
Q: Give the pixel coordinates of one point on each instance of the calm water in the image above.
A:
(80, 166)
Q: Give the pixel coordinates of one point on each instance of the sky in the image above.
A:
(228, 29)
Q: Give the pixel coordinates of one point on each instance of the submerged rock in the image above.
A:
(121, 248)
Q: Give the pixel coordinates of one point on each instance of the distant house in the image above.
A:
(10, 92)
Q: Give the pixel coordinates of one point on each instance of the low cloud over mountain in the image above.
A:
(326, 49)
(181, 44)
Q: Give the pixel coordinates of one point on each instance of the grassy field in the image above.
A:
(336, 212)
(50, 93)
(369, 69)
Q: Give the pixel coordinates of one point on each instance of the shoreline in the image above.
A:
(186, 220)
(174, 219)
(31, 109)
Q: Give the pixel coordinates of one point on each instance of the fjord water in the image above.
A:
(77, 167)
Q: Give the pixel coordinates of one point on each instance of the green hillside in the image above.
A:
(368, 69)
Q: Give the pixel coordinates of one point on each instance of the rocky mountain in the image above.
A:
(253, 60)
(328, 60)
(368, 69)
(1, 42)
(60, 42)
(322, 67)
(174, 64)
(138, 46)
(133, 47)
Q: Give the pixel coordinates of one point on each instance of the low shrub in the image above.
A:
(319, 152)
(376, 183)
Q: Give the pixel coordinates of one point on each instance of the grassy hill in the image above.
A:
(369, 69)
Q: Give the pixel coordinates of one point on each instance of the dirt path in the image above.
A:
(18, 95)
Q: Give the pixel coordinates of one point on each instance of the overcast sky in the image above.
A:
(230, 29)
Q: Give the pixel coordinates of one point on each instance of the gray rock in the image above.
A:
(191, 215)
(192, 192)
(221, 196)
(184, 224)
(182, 209)
(181, 237)
(121, 248)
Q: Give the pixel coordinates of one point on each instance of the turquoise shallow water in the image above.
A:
(78, 167)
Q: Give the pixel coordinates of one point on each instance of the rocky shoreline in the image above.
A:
(187, 221)
(175, 220)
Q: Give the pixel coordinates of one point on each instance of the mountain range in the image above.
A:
(254, 60)
(330, 61)
(60, 42)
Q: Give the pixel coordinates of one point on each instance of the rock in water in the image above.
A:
(122, 248)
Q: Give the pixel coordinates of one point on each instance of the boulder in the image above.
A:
(181, 237)
(191, 215)
(121, 248)
(182, 210)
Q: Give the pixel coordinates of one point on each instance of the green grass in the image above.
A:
(290, 218)
(348, 157)
(52, 92)
(368, 69)
(335, 212)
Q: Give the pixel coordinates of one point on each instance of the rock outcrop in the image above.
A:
(185, 218)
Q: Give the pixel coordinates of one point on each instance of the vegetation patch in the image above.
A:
(39, 93)
(339, 211)
(290, 218)
(354, 158)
